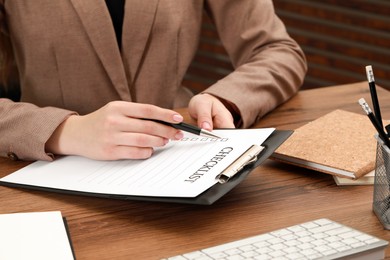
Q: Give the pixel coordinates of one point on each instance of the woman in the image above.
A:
(86, 79)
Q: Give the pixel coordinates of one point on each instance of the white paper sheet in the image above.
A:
(183, 168)
(35, 235)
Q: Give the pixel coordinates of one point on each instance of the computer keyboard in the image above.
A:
(317, 239)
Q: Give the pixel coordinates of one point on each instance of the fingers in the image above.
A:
(127, 136)
(115, 132)
(139, 140)
(200, 108)
(126, 146)
(210, 112)
(126, 152)
(147, 111)
(140, 126)
(223, 119)
(119, 129)
(132, 117)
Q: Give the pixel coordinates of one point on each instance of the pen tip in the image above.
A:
(362, 101)
(210, 134)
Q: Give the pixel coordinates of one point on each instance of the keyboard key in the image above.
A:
(317, 239)
(291, 249)
(233, 251)
(249, 254)
(193, 255)
(218, 255)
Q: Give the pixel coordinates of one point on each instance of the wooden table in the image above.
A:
(274, 196)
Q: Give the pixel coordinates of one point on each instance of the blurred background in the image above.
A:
(338, 37)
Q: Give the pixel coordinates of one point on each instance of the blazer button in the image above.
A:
(12, 156)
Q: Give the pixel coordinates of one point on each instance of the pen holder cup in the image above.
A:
(381, 200)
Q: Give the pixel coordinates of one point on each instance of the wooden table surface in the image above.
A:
(273, 196)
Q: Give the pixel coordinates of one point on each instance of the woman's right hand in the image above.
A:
(115, 131)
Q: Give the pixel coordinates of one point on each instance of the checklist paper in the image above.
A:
(36, 235)
(182, 168)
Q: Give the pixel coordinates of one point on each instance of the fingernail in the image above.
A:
(179, 135)
(206, 126)
(177, 118)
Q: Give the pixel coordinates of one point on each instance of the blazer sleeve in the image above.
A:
(269, 65)
(25, 128)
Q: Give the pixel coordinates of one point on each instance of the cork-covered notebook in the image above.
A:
(339, 143)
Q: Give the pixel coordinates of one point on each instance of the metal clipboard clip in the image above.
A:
(248, 157)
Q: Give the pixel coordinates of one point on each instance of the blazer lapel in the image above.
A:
(97, 22)
(137, 28)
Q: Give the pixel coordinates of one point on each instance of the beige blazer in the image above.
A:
(69, 61)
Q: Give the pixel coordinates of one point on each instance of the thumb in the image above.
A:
(204, 118)
(200, 108)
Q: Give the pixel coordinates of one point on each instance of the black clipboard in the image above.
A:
(208, 197)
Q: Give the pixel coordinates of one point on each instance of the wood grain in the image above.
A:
(274, 195)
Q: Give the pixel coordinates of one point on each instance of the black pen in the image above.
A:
(375, 122)
(188, 128)
(374, 96)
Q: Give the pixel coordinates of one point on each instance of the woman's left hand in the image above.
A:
(210, 112)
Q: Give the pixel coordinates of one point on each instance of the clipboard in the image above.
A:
(210, 195)
(207, 197)
(217, 191)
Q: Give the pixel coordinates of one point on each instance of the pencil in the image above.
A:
(374, 96)
(375, 122)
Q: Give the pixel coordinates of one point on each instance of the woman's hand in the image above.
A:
(115, 131)
(210, 112)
